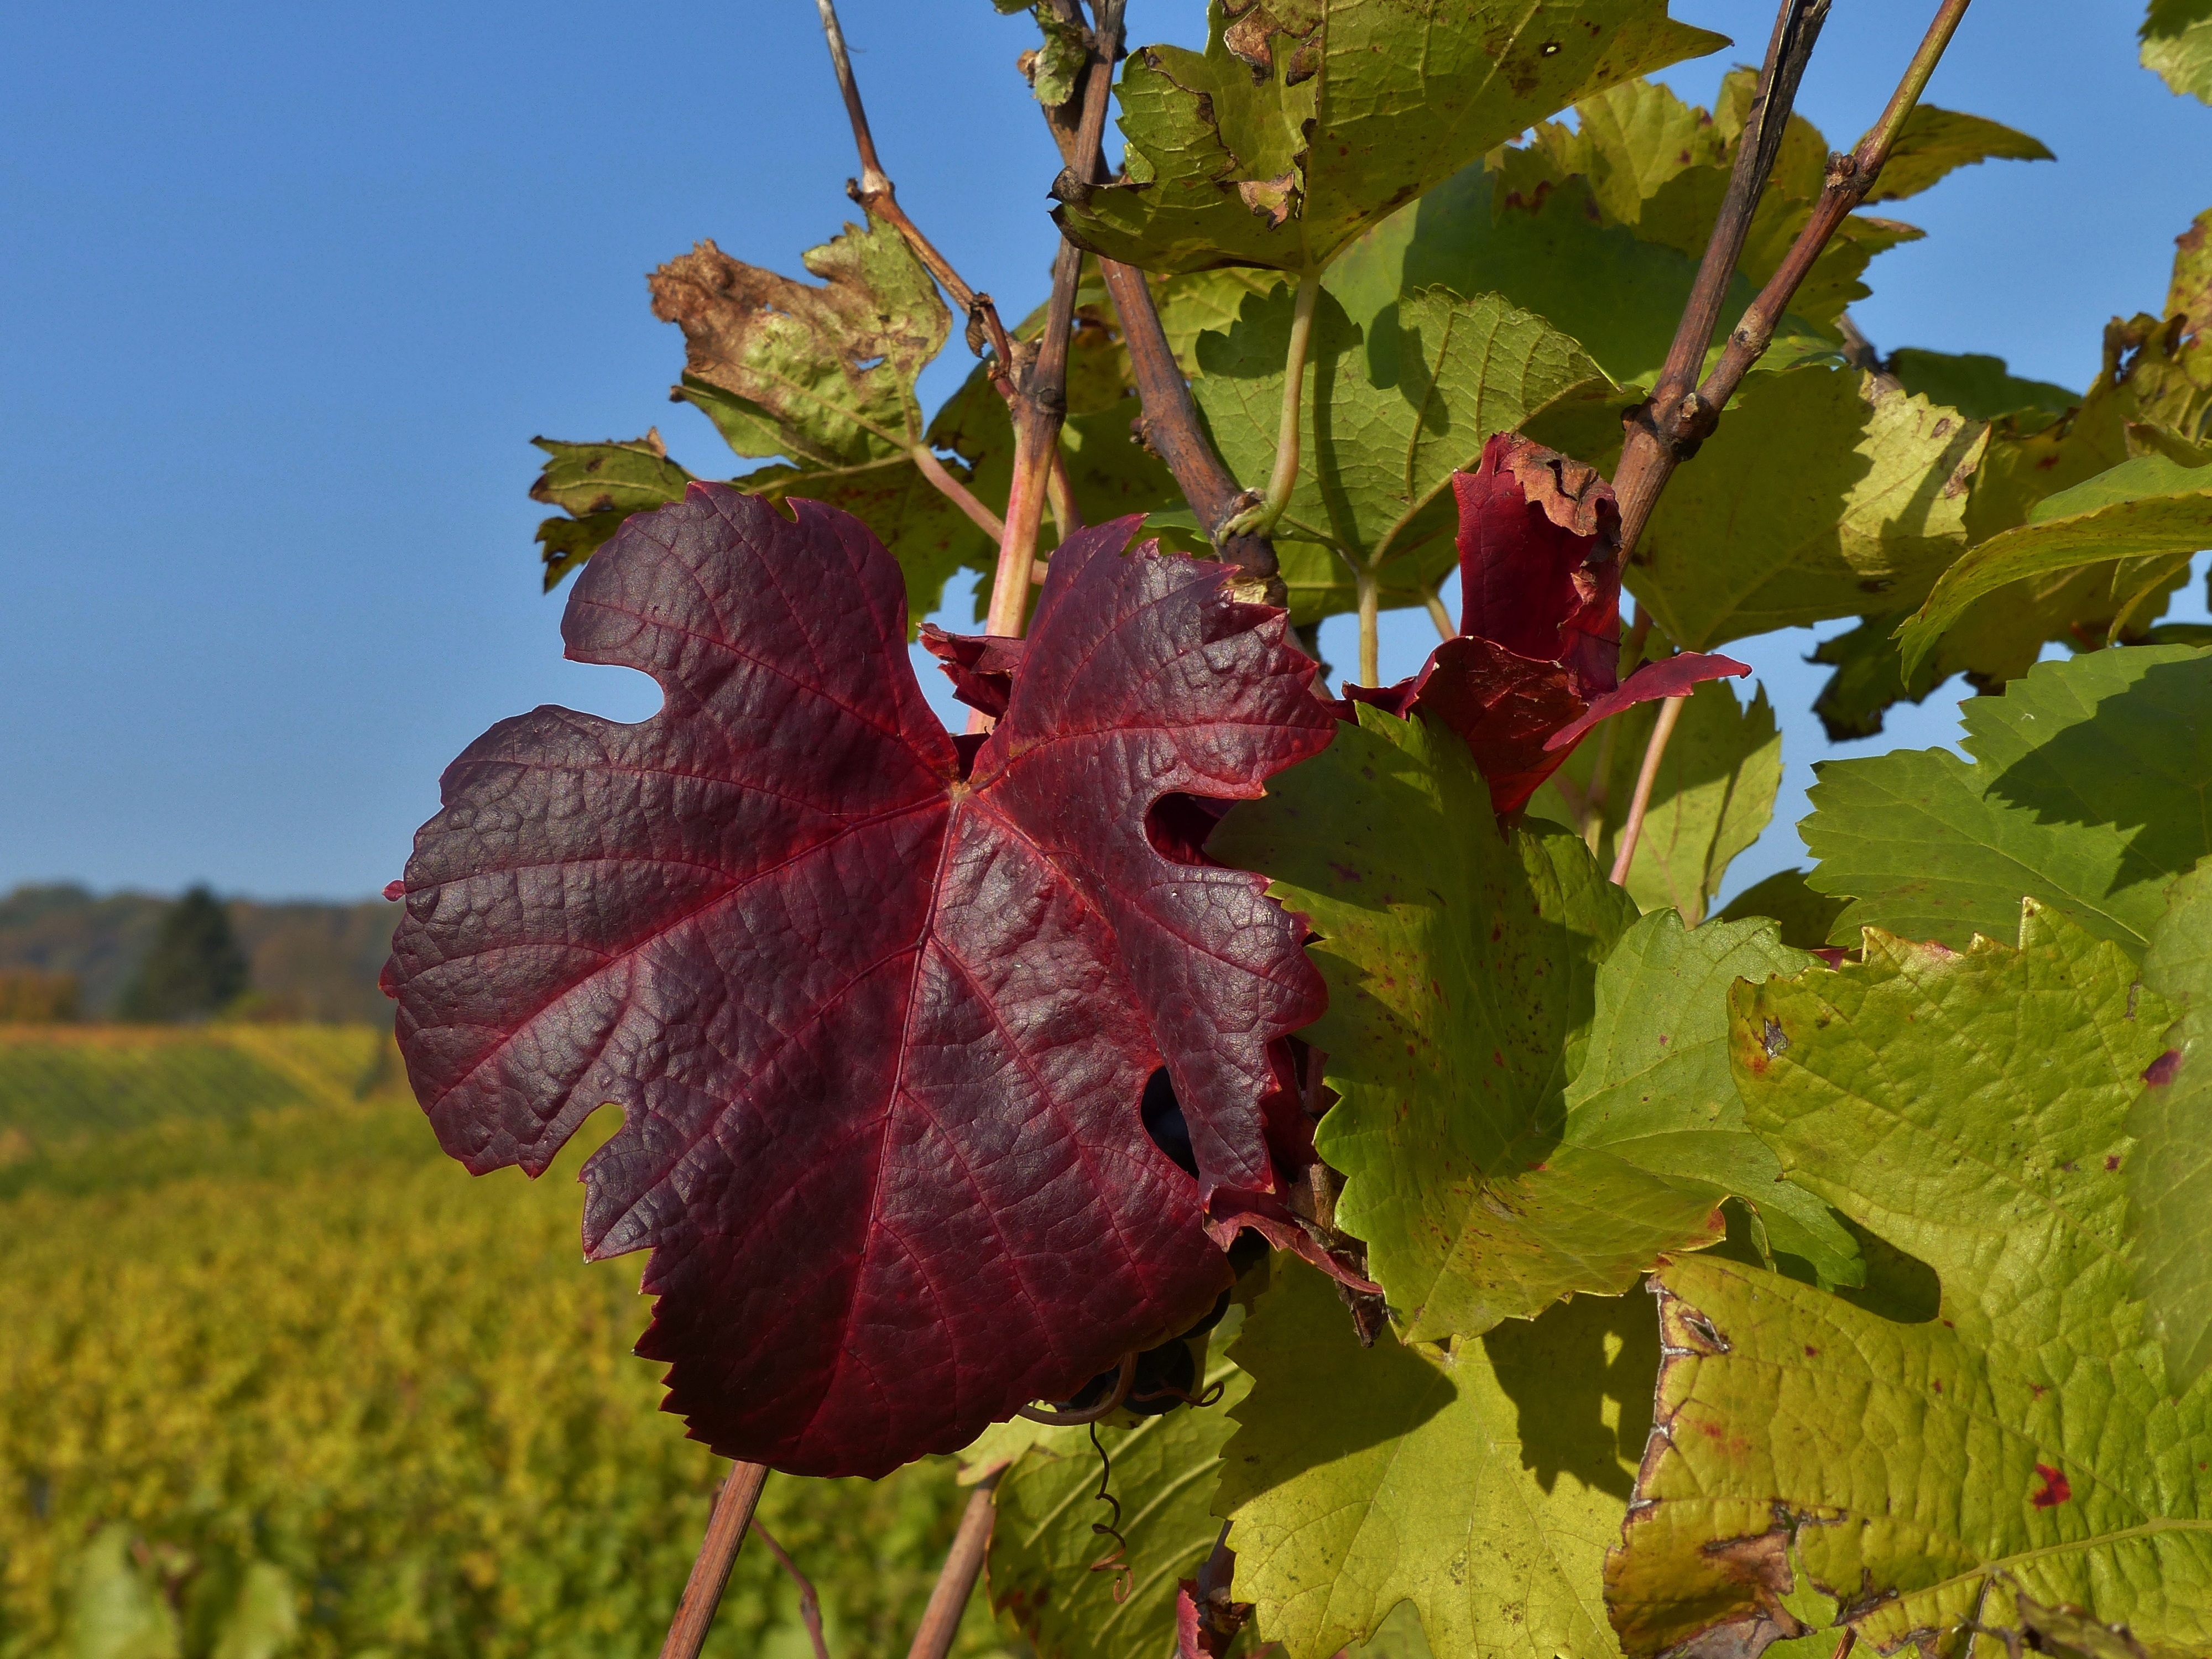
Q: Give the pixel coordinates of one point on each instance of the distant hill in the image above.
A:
(309, 961)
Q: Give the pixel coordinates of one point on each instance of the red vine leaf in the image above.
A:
(1536, 662)
(880, 1020)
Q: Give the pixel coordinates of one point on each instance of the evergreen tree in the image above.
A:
(195, 968)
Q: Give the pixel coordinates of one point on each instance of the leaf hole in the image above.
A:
(1165, 1123)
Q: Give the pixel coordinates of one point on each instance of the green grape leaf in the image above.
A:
(1302, 124)
(1054, 67)
(1461, 964)
(632, 476)
(1630, 143)
(822, 375)
(2029, 458)
(2176, 44)
(600, 485)
(2149, 511)
(1804, 916)
(1935, 141)
(2147, 438)
(929, 536)
(2090, 788)
(1163, 1473)
(1978, 386)
(1654, 1085)
(2190, 293)
(1394, 409)
(1202, 301)
(1550, 253)
(563, 544)
(1713, 795)
(1112, 473)
(1660, 167)
(1822, 494)
(1870, 678)
(2170, 1176)
(2021, 1445)
(1480, 1482)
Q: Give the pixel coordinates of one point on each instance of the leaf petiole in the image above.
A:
(1261, 519)
(1655, 751)
(1370, 615)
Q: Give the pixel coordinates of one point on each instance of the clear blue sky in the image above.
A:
(287, 288)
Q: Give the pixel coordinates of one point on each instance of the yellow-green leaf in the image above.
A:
(2149, 511)
(1300, 125)
(1479, 1481)
(1928, 1479)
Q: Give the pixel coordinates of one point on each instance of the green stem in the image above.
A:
(1655, 752)
(1261, 519)
(1882, 136)
(1370, 639)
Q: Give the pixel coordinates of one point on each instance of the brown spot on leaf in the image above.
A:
(2112, 1161)
(2159, 1073)
(1276, 200)
(2054, 1490)
(1772, 1038)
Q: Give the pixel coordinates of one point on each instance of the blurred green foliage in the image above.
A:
(283, 1379)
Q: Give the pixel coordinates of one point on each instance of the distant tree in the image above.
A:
(29, 997)
(195, 968)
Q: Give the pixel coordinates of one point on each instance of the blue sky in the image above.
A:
(288, 288)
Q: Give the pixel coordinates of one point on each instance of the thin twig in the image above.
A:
(1665, 432)
(810, 1604)
(956, 492)
(1591, 821)
(874, 190)
(1850, 178)
(726, 1530)
(1440, 617)
(1655, 751)
(1170, 424)
(955, 1580)
(1040, 403)
(1659, 431)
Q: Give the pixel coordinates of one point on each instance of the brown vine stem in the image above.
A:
(1040, 402)
(955, 1580)
(875, 192)
(1654, 752)
(1848, 180)
(1169, 424)
(726, 1530)
(810, 1604)
(1664, 431)
(1683, 412)
(1040, 406)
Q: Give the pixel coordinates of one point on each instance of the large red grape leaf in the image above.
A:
(879, 1023)
(1535, 665)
